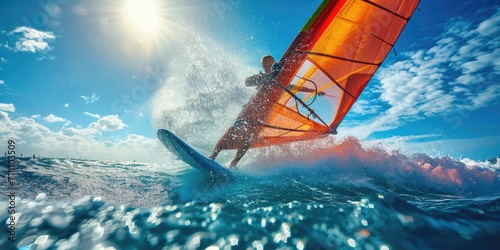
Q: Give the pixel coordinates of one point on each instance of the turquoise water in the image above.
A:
(385, 201)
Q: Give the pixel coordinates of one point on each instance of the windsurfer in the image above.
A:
(268, 64)
(243, 132)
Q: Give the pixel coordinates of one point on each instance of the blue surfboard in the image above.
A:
(192, 157)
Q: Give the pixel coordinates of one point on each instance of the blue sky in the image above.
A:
(95, 79)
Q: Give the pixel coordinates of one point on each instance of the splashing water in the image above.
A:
(203, 92)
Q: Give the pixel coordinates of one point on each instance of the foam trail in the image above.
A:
(325, 160)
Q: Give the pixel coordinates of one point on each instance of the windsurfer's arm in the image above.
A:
(255, 80)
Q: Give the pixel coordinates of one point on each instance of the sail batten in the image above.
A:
(338, 57)
(385, 9)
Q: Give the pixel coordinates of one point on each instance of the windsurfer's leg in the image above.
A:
(221, 144)
(215, 153)
(239, 154)
(218, 147)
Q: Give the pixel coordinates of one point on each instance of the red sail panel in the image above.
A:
(335, 54)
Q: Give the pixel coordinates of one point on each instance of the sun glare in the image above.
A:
(143, 26)
(143, 15)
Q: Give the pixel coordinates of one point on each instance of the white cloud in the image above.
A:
(2, 81)
(92, 115)
(31, 40)
(365, 107)
(490, 26)
(4, 116)
(43, 57)
(3, 60)
(108, 123)
(35, 116)
(77, 142)
(9, 107)
(457, 73)
(90, 99)
(53, 119)
(66, 105)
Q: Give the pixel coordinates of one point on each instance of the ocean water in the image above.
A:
(349, 197)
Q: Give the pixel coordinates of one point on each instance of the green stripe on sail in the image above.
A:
(315, 15)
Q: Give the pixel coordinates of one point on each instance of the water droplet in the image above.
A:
(171, 208)
(300, 245)
(351, 242)
(263, 222)
(233, 239)
(384, 247)
(59, 221)
(36, 222)
(152, 239)
(98, 233)
(26, 241)
(277, 237)
(41, 239)
(364, 223)
(41, 196)
(47, 209)
(257, 245)
(194, 242)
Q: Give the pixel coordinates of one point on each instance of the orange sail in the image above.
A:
(335, 54)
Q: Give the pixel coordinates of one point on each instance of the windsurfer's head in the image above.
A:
(267, 62)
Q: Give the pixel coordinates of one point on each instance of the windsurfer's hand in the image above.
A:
(321, 93)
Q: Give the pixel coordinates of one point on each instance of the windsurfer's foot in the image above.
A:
(233, 165)
(214, 154)
(212, 157)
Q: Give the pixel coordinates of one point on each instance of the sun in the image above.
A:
(143, 15)
(142, 26)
